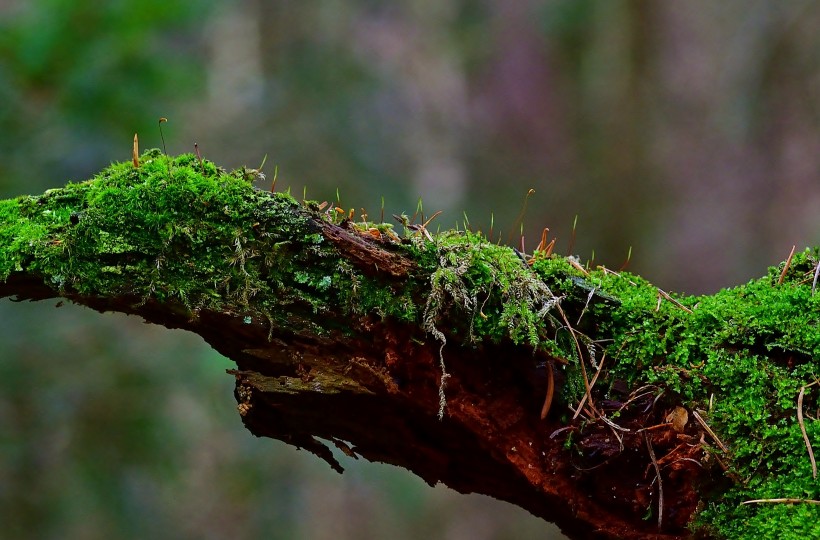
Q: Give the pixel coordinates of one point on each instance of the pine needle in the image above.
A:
(786, 266)
(803, 429)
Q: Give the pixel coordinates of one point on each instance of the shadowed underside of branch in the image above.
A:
(442, 354)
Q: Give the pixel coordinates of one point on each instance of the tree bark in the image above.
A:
(467, 363)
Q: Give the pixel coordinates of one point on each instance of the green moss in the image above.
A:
(192, 235)
(741, 356)
(184, 231)
(497, 294)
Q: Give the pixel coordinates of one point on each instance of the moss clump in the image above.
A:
(499, 295)
(741, 357)
(186, 232)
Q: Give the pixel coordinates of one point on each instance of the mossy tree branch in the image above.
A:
(437, 354)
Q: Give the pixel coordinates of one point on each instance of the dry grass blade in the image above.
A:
(803, 429)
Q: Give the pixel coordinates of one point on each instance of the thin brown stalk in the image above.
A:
(135, 154)
(550, 391)
(550, 247)
(199, 155)
(542, 245)
(786, 266)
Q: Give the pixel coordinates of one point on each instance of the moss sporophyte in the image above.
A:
(184, 232)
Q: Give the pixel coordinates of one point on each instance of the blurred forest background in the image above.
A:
(689, 131)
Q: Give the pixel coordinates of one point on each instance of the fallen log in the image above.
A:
(589, 397)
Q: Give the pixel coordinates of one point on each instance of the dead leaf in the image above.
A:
(678, 418)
